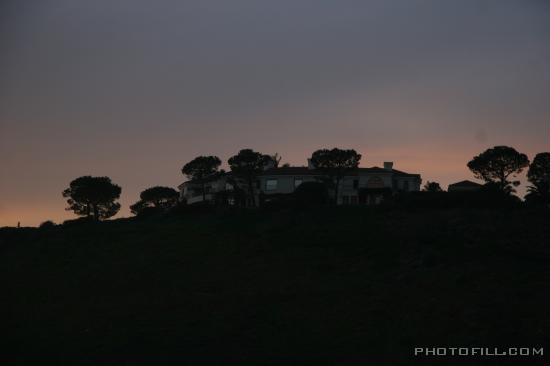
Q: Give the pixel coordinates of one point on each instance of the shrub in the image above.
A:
(47, 224)
(311, 194)
(79, 221)
(183, 209)
(149, 212)
(489, 197)
(276, 201)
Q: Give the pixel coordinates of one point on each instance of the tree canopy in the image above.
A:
(539, 177)
(155, 197)
(335, 164)
(93, 197)
(497, 165)
(201, 169)
(246, 166)
(274, 160)
(432, 187)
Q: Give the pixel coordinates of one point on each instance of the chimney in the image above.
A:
(310, 164)
(388, 165)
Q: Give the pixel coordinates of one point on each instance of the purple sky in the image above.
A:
(133, 89)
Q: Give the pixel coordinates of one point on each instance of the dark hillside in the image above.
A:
(347, 286)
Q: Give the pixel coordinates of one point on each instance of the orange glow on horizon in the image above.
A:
(444, 166)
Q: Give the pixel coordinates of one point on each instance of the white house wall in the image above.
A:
(285, 183)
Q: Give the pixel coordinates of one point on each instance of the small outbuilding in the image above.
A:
(464, 186)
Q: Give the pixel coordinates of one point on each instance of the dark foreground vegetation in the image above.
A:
(330, 286)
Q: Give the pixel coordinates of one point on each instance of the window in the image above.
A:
(355, 183)
(345, 200)
(354, 200)
(258, 184)
(297, 182)
(271, 185)
(406, 185)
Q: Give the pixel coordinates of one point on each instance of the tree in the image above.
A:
(201, 169)
(93, 197)
(138, 208)
(155, 197)
(335, 164)
(275, 160)
(498, 164)
(246, 166)
(432, 187)
(539, 177)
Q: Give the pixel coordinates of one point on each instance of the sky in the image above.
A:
(134, 89)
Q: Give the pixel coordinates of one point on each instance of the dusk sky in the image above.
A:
(133, 89)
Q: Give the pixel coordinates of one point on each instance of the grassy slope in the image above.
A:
(325, 287)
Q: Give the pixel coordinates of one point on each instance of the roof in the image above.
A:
(403, 174)
(213, 178)
(375, 169)
(465, 183)
(302, 170)
(291, 170)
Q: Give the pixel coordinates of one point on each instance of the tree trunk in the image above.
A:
(336, 191)
(251, 191)
(96, 212)
(503, 177)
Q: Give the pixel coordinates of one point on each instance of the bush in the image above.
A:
(236, 196)
(182, 209)
(489, 197)
(150, 211)
(79, 221)
(535, 200)
(276, 201)
(311, 194)
(424, 199)
(47, 224)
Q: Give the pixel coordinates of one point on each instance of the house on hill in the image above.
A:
(362, 186)
(464, 186)
(191, 191)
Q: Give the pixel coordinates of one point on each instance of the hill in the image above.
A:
(346, 286)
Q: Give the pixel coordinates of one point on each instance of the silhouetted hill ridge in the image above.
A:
(284, 287)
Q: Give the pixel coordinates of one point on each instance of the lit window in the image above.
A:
(297, 182)
(271, 185)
